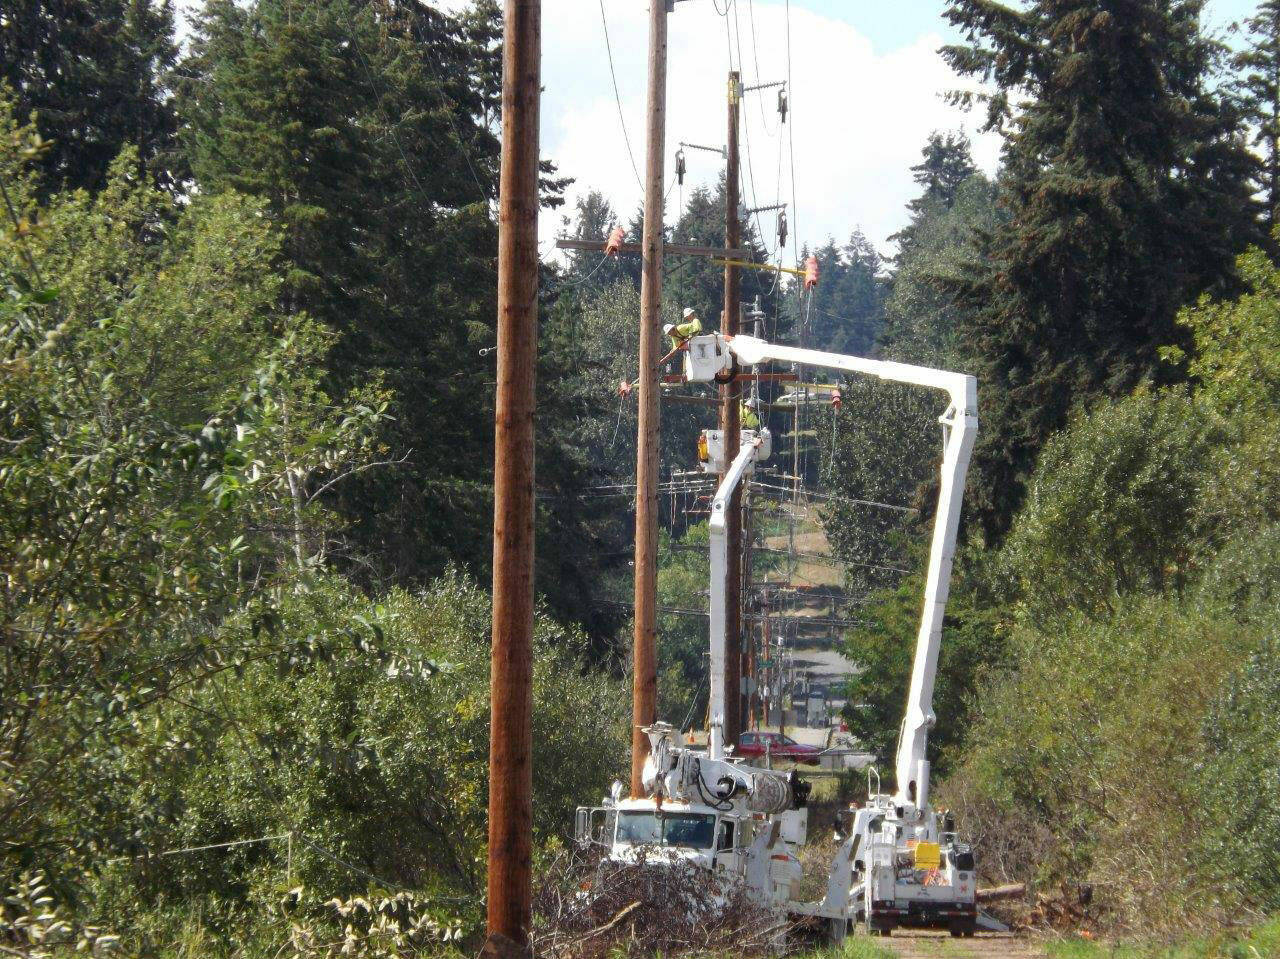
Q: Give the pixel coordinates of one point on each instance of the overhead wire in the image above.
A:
(795, 207)
(746, 136)
(617, 99)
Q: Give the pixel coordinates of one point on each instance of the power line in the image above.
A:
(617, 99)
(791, 140)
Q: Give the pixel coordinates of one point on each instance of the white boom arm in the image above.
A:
(960, 427)
(719, 564)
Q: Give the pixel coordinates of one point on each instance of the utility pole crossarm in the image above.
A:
(675, 249)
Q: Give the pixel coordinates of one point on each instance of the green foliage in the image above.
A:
(1241, 777)
(1255, 84)
(1138, 701)
(94, 76)
(1096, 728)
(921, 315)
(880, 461)
(1112, 508)
(684, 573)
(365, 128)
(885, 648)
(347, 751)
(844, 312)
(946, 164)
(1260, 941)
(1235, 361)
(146, 471)
(1129, 191)
(856, 946)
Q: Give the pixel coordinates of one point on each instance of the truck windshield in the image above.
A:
(690, 830)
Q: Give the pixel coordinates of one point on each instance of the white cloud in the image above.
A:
(859, 118)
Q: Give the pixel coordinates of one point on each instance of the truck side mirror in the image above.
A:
(582, 826)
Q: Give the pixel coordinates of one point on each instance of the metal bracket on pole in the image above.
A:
(722, 152)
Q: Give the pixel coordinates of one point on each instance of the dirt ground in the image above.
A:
(911, 944)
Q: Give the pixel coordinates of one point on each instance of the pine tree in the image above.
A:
(1258, 86)
(1129, 191)
(921, 317)
(94, 73)
(368, 129)
(845, 311)
(947, 162)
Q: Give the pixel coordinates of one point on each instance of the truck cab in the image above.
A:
(730, 844)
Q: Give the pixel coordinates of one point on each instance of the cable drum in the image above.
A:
(768, 793)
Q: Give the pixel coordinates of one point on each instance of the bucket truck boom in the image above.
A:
(748, 451)
(900, 864)
(889, 832)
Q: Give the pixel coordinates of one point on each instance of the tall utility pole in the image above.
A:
(645, 657)
(511, 672)
(730, 397)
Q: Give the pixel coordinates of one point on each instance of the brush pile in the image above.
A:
(588, 908)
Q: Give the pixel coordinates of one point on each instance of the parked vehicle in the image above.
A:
(777, 746)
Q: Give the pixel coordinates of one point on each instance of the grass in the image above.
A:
(1262, 942)
(856, 946)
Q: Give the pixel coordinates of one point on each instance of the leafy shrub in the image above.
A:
(1095, 731)
(379, 759)
(1112, 509)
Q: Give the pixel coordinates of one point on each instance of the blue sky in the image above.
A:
(867, 91)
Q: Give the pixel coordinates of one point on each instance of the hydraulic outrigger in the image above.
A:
(901, 862)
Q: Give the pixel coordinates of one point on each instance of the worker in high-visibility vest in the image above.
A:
(689, 326)
(748, 416)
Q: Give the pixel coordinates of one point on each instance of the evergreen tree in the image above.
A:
(93, 72)
(697, 282)
(956, 206)
(845, 311)
(367, 128)
(946, 163)
(1129, 190)
(1258, 87)
(587, 269)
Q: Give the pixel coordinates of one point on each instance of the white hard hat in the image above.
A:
(688, 312)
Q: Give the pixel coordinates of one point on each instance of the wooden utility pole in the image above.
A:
(511, 670)
(645, 655)
(730, 397)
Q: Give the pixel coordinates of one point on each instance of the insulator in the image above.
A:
(782, 104)
(782, 228)
(680, 167)
(811, 273)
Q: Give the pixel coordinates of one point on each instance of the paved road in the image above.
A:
(986, 945)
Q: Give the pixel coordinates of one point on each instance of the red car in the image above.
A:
(779, 747)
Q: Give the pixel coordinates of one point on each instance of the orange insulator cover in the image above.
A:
(614, 243)
(836, 400)
(811, 273)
